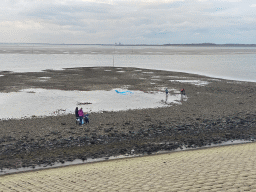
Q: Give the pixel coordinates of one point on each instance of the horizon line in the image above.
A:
(143, 44)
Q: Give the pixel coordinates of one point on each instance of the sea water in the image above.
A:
(222, 62)
(235, 63)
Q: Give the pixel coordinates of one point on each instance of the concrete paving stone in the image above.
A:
(194, 190)
(245, 188)
(170, 189)
(253, 186)
(153, 190)
(206, 188)
(227, 168)
(233, 190)
(133, 190)
(122, 190)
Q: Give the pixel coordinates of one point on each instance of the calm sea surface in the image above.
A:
(222, 62)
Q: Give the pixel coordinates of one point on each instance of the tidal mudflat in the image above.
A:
(214, 110)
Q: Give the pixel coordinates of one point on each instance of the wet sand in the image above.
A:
(227, 168)
(216, 111)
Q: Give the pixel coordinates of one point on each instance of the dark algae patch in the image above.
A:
(27, 152)
(220, 111)
(86, 143)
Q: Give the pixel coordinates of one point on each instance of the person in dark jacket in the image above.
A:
(182, 91)
(86, 117)
(166, 92)
(76, 112)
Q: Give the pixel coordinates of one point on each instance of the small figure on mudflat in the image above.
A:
(182, 91)
(81, 115)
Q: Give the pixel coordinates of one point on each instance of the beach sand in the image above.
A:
(225, 168)
(216, 110)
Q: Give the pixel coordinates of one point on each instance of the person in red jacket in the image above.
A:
(182, 92)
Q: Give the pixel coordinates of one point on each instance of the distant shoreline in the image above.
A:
(183, 45)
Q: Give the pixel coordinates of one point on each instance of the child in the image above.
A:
(86, 118)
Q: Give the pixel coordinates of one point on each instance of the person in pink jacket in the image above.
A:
(81, 115)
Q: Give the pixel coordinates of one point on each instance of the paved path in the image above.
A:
(228, 168)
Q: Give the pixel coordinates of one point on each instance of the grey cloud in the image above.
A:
(65, 13)
(124, 21)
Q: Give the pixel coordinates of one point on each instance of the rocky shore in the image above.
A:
(218, 111)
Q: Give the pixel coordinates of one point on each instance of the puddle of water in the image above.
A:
(194, 82)
(44, 77)
(90, 160)
(19, 104)
(214, 79)
(178, 77)
(125, 86)
(148, 72)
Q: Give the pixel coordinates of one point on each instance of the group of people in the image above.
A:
(84, 117)
(182, 91)
(81, 116)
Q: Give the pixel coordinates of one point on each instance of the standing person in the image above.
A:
(166, 92)
(81, 115)
(76, 112)
(182, 92)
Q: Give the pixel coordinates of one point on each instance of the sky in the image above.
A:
(128, 21)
